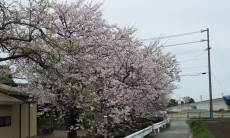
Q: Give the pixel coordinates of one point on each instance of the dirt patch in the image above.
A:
(219, 128)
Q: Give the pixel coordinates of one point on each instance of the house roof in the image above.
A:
(13, 90)
(13, 95)
(6, 99)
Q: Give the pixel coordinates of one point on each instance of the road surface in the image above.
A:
(178, 129)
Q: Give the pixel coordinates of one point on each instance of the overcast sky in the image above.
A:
(155, 18)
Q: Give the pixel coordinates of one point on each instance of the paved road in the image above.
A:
(178, 129)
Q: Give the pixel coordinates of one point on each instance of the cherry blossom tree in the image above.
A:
(139, 81)
(21, 27)
(82, 36)
(86, 67)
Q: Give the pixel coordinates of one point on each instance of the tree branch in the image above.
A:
(14, 57)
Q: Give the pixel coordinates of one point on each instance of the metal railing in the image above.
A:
(162, 124)
(153, 128)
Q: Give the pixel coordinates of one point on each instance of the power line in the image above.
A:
(217, 80)
(198, 67)
(190, 60)
(196, 74)
(223, 65)
(170, 36)
(224, 57)
(190, 51)
(220, 50)
(195, 58)
(183, 43)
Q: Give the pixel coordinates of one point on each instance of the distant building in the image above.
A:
(218, 104)
(18, 115)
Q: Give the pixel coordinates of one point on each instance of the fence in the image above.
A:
(153, 128)
(199, 114)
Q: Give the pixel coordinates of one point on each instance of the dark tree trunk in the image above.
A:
(71, 121)
(72, 134)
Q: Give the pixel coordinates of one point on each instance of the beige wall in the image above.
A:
(5, 110)
(6, 132)
(33, 119)
(13, 111)
(24, 120)
(15, 120)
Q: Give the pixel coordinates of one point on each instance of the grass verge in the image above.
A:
(198, 130)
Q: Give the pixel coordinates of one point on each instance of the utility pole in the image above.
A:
(209, 74)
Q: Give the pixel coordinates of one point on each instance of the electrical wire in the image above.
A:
(189, 52)
(179, 44)
(170, 36)
(220, 84)
(195, 58)
(221, 52)
(224, 57)
(198, 67)
(223, 66)
(196, 74)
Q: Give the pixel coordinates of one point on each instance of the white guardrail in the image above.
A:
(153, 128)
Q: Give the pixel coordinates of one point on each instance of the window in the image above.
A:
(5, 121)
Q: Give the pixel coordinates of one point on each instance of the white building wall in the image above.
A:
(217, 105)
